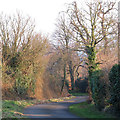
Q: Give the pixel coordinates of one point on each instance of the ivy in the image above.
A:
(114, 86)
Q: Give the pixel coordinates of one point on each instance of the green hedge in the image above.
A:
(114, 79)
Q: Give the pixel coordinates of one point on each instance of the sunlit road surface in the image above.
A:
(53, 110)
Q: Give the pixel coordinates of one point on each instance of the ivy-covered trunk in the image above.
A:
(92, 66)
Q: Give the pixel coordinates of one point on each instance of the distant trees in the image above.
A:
(67, 47)
(63, 38)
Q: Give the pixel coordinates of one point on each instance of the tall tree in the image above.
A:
(89, 27)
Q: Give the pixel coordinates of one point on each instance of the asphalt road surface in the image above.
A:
(53, 110)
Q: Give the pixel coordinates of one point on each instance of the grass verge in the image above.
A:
(78, 94)
(86, 110)
(14, 109)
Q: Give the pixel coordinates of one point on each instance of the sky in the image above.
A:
(45, 12)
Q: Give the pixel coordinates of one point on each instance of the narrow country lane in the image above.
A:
(53, 110)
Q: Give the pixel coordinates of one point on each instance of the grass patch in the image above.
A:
(14, 109)
(79, 94)
(86, 110)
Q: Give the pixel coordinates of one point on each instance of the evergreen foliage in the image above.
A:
(98, 88)
(114, 79)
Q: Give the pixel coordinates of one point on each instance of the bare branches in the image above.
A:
(99, 21)
(16, 30)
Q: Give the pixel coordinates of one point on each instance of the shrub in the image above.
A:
(98, 88)
(114, 79)
(15, 61)
(23, 83)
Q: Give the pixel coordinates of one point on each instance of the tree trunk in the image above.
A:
(64, 79)
(71, 75)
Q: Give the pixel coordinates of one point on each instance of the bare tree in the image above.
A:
(15, 32)
(63, 37)
(89, 28)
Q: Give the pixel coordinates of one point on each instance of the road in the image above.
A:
(53, 110)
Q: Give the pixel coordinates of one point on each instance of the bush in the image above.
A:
(98, 88)
(15, 60)
(114, 79)
(23, 83)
